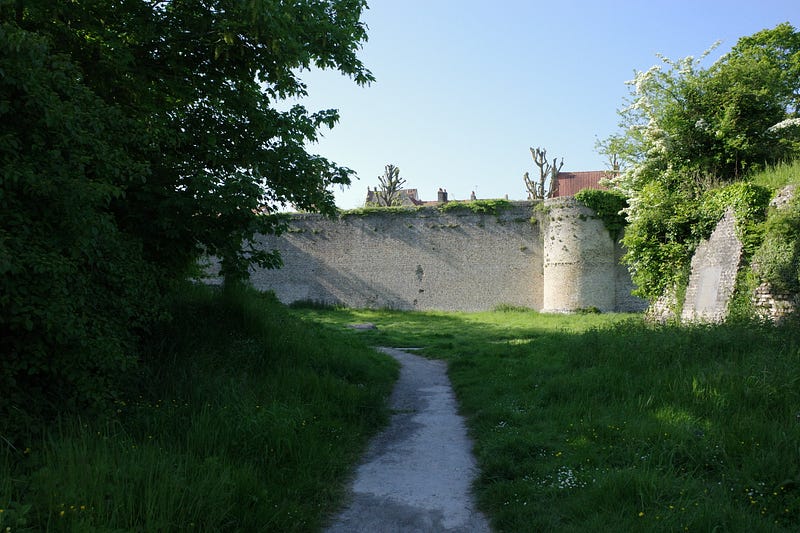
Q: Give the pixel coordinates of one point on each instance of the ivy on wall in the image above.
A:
(609, 206)
(669, 226)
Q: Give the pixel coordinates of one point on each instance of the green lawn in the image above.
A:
(248, 417)
(603, 423)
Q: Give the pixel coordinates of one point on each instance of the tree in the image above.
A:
(74, 289)
(613, 148)
(388, 192)
(134, 137)
(686, 129)
(547, 186)
(704, 125)
(199, 80)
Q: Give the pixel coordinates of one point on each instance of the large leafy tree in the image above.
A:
(200, 80)
(712, 124)
(74, 288)
(136, 135)
(686, 129)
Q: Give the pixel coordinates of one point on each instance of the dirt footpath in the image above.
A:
(416, 475)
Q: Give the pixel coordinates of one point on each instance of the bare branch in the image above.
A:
(547, 186)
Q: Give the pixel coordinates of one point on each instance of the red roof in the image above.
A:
(571, 182)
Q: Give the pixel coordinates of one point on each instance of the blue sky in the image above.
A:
(465, 87)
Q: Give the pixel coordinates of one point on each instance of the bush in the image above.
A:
(668, 224)
(608, 205)
(749, 203)
(73, 288)
(777, 260)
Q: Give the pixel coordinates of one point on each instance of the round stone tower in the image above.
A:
(579, 263)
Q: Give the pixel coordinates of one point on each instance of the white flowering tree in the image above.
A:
(686, 128)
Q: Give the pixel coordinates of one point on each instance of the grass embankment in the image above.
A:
(603, 423)
(244, 418)
(779, 176)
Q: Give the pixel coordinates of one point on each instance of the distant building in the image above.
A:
(570, 183)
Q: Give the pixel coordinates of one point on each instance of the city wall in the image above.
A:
(557, 257)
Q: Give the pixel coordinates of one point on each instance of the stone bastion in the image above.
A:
(555, 256)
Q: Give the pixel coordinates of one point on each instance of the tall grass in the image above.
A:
(778, 176)
(243, 419)
(605, 423)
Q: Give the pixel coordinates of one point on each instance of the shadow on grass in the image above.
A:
(241, 418)
(584, 421)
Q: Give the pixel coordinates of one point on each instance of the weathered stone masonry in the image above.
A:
(713, 276)
(556, 258)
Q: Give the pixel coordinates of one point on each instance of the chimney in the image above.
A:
(442, 196)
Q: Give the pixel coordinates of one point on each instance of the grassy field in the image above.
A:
(249, 417)
(243, 418)
(603, 423)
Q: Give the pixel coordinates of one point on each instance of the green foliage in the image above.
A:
(777, 260)
(741, 308)
(479, 207)
(508, 308)
(374, 209)
(778, 176)
(608, 205)
(242, 418)
(200, 82)
(749, 203)
(689, 125)
(134, 137)
(74, 289)
(660, 241)
(688, 129)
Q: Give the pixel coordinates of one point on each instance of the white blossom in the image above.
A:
(784, 124)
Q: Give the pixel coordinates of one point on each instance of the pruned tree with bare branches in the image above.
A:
(388, 191)
(547, 185)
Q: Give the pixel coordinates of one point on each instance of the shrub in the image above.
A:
(73, 288)
(608, 205)
(777, 260)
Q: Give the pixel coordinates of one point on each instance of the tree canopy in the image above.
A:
(135, 136)
(686, 129)
(199, 81)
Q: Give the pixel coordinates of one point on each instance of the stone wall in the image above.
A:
(713, 276)
(772, 305)
(769, 303)
(421, 259)
(427, 259)
(580, 260)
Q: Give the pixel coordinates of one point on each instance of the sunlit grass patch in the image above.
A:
(778, 176)
(605, 423)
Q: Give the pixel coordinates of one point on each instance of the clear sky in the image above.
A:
(465, 87)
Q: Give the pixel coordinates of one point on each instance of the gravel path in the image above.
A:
(417, 474)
